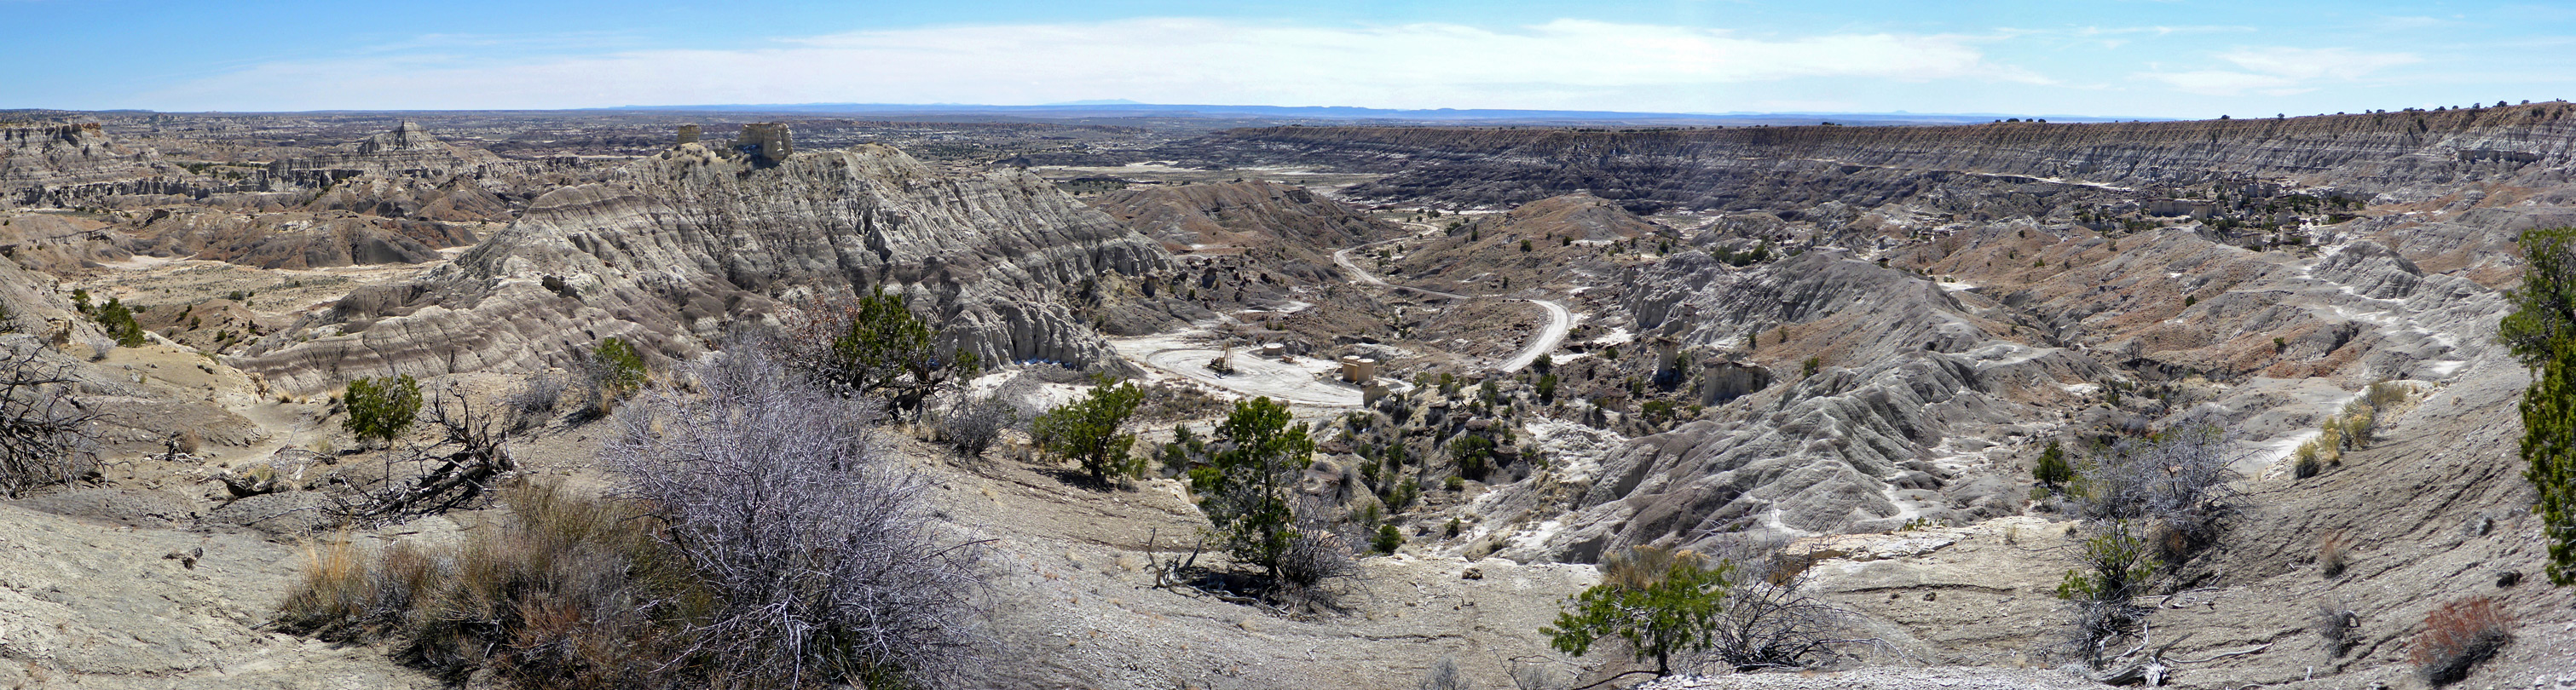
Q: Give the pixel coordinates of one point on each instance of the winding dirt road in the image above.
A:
(1559, 321)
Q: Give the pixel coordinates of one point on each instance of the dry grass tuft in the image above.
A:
(571, 593)
(2332, 548)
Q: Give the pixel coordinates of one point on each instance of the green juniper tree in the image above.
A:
(877, 347)
(2542, 333)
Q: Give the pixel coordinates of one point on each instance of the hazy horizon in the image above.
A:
(2182, 59)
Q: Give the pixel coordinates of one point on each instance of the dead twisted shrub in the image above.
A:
(45, 435)
(1768, 620)
(468, 462)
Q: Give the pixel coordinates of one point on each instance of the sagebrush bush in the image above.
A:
(2111, 572)
(974, 424)
(2334, 626)
(535, 398)
(819, 549)
(2457, 636)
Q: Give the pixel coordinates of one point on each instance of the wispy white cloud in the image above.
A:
(2283, 71)
(1563, 63)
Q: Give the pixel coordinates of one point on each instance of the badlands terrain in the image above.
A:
(1858, 341)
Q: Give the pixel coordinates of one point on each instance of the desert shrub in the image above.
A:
(1319, 553)
(1091, 431)
(2110, 573)
(1404, 494)
(2360, 424)
(818, 550)
(1444, 676)
(1249, 481)
(2052, 470)
(2332, 548)
(535, 398)
(2334, 626)
(1666, 604)
(2457, 636)
(1473, 454)
(1167, 401)
(1768, 621)
(45, 434)
(2175, 483)
(1388, 539)
(976, 423)
(1809, 367)
(620, 367)
(335, 599)
(2386, 394)
(2307, 464)
(118, 321)
(381, 408)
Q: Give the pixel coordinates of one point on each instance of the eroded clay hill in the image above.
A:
(686, 244)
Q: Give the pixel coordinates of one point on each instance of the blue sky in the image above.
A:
(2180, 58)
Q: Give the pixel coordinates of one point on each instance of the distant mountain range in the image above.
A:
(1344, 114)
